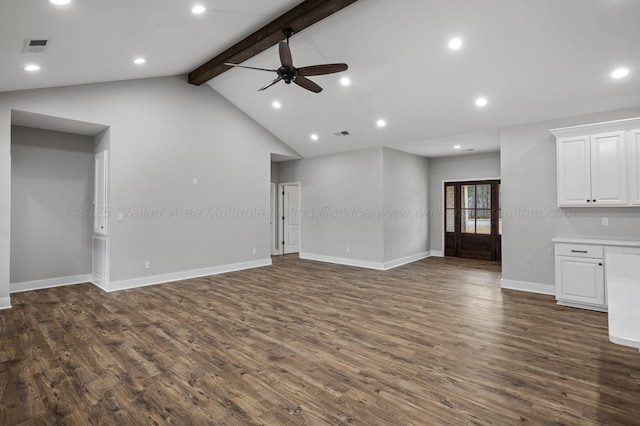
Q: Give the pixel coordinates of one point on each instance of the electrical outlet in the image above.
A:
(605, 221)
(348, 249)
(255, 251)
(147, 265)
(195, 181)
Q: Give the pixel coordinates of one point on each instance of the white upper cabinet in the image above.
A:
(634, 167)
(574, 171)
(609, 170)
(597, 164)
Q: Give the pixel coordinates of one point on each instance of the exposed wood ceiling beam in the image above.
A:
(300, 17)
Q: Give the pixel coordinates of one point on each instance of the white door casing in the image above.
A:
(273, 222)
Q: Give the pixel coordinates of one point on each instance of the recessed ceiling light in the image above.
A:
(314, 137)
(276, 104)
(381, 123)
(481, 102)
(620, 73)
(457, 147)
(345, 81)
(60, 2)
(139, 61)
(32, 68)
(198, 9)
(455, 43)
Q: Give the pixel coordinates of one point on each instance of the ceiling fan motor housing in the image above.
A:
(288, 75)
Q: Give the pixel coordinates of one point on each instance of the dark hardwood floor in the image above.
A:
(305, 343)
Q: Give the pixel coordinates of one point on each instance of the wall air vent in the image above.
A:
(36, 45)
(342, 133)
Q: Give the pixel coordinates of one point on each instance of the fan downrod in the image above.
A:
(288, 32)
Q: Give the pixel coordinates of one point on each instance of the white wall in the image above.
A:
(459, 167)
(530, 216)
(51, 195)
(405, 205)
(163, 133)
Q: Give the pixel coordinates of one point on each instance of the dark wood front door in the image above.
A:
(473, 225)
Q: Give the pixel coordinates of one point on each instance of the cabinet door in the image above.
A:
(609, 170)
(580, 280)
(574, 171)
(634, 166)
(100, 207)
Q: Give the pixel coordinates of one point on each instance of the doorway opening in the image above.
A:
(473, 220)
(290, 218)
(59, 202)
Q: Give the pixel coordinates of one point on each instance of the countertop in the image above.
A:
(597, 241)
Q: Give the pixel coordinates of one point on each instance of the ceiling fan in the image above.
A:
(290, 74)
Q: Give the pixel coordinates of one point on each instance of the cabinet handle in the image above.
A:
(588, 201)
(579, 251)
(595, 201)
(599, 264)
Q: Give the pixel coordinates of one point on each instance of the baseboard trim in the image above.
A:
(436, 253)
(49, 283)
(579, 305)
(5, 303)
(184, 275)
(409, 259)
(530, 287)
(342, 261)
(378, 266)
(100, 282)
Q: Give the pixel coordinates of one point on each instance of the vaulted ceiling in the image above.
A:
(531, 60)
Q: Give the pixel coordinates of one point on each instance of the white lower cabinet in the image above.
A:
(580, 276)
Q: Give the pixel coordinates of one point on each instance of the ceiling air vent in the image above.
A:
(33, 45)
(342, 133)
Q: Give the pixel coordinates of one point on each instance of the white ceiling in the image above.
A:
(532, 59)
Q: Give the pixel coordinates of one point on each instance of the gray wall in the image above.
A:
(373, 201)
(459, 167)
(531, 218)
(275, 172)
(341, 196)
(51, 192)
(405, 204)
(163, 133)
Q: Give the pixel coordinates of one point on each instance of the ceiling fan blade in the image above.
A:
(307, 84)
(322, 69)
(249, 68)
(285, 55)
(266, 86)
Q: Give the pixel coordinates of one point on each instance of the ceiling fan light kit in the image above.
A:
(290, 74)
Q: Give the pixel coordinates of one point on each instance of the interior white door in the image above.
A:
(291, 218)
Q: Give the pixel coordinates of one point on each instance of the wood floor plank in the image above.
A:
(435, 342)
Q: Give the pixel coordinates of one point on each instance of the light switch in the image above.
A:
(605, 221)
(195, 181)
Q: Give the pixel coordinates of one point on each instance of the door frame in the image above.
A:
(444, 207)
(281, 213)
